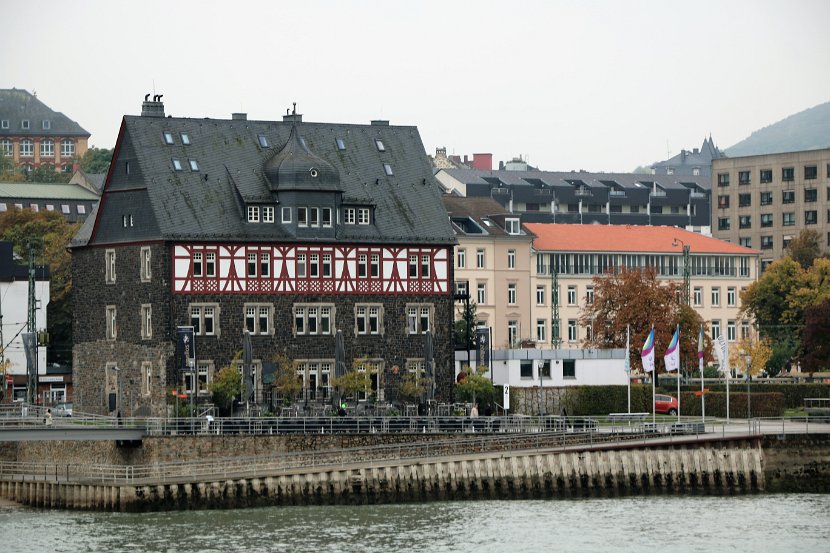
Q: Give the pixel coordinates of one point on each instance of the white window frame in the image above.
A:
(146, 264)
(109, 266)
(481, 293)
(111, 322)
(47, 148)
(461, 258)
(540, 294)
(257, 314)
(146, 314)
(368, 319)
(317, 319)
(203, 312)
(268, 214)
(253, 214)
(715, 296)
(363, 216)
(541, 330)
(573, 330)
(286, 214)
(481, 258)
(146, 378)
(511, 259)
(572, 294)
(511, 293)
(349, 216)
(26, 148)
(419, 317)
(302, 216)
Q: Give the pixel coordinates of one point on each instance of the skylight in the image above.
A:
(168, 137)
(194, 166)
(177, 165)
(263, 141)
(341, 144)
(379, 144)
(185, 138)
(388, 169)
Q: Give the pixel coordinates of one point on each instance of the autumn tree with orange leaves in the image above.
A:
(637, 299)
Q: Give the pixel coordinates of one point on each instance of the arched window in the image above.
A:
(67, 148)
(27, 148)
(47, 148)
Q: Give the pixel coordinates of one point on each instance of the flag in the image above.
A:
(700, 344)
(648, 352)
(672, 357)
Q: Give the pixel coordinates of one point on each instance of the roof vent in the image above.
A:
(239, 116)
(154, 108)
(380, 122)
(291, 115)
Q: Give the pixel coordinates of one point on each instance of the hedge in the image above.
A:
(793, 394)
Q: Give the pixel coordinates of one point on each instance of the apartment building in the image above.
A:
(572, 255)
(765, 201)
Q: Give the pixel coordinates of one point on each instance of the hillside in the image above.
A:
(806, 130)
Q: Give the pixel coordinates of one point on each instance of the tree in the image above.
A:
(467, 319)
(51, 233)
(475, 387)
(413, 387)
(768, 300)
(804, 248)
(226, 386)
(759, 351)
(47, 173)
(286, 380)
(352, 383)
(636, 299)
(96, 160)
(815, 339)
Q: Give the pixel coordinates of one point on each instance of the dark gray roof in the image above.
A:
(487, 215)
(209, 203)
(17, 105)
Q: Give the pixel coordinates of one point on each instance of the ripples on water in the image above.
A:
(761, 523)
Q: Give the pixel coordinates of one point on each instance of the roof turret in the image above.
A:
(295, 167)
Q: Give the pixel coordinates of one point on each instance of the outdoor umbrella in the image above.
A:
(247, 359)
(429, 362)
(339, 358)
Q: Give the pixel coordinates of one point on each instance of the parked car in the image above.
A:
(63, 410)
(667, 405)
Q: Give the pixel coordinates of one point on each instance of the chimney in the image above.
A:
(239, 116)
(696, 151)
(483, 162)
(291, 115)
(154, 108)
(380, 122)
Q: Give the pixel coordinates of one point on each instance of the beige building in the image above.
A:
(493, 263)
(765, 201)
(577, 253)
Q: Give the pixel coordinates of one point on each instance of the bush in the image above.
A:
(763, 404)
(793, 394)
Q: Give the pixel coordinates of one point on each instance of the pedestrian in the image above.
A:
(118, 417)
(474, 411)
(48, 418)
(341, 412)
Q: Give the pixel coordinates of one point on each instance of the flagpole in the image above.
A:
(628, 365)
(678, 372)
(653, 379)
(702, 388)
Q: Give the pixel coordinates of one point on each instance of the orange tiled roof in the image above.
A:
(627, 238)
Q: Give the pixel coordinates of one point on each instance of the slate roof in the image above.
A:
(553, 237)
(46, 191)
(208, 204)
(17, 105)
(482, 211)
(702, 157)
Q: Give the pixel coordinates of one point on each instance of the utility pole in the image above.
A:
(31, 327)
(556, 336)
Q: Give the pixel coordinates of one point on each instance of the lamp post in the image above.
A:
(748, 360)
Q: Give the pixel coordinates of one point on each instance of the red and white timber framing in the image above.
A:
(297, 268)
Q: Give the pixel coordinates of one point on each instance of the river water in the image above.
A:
(757, 523)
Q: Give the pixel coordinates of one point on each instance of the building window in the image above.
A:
(715, 296)
(112, 327)
(4, 124)
(810, 217)
(326, 217)
(341, 144)
(512, 226)
(766, 219)
(197, 264)
(744, 200)
(313, 318)
(265, 265)
(766, 242)
(185, 138)
(788, 196)
(573, 330)
(513, 335)
(723, 179)
(461, 258)
(314, 217)
(811, 195)
(146, 322)
(730, 296)
(146, 378)
(540, 295)
(6, 147)
(145, 269)
(204, 319)
(363, 216)
(286, 214)
(766, 175)
(253, 214)
(480, 258)
(723, 201)
(251, 266)
(766, 198)
(27, 148)
(419, 317)
(47, 148)
(177, 164)
(481, 293)
(723, 223)
(194, 165)
(731, 331)
(788, 219)
(743, 177)
(24, 124)
(787, 174)
(810, 172)
(511, 259)
(589, 295)
(511, 293)
(571, 294)
(302, 216)
(698, 296)
(387, 168)
(368, 318)
(745, 241)
(109, 260)
(541, 326)
(715, 329)
(268, 214)
(379, 145)
(258, 318)
(568, 369)
(349, 216)
(168, 137)
(745, 221)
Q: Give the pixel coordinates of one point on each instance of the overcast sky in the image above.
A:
(594, 85)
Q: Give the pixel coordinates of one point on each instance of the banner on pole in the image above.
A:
(185, 348)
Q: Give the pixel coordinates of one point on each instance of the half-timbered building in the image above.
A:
(287, 230)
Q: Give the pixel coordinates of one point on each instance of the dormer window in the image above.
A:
(326, 216)
(268, 214)
(253, 214)
(4, 124)
(46, 124)
(388, 169)
(302, 216)
(379, 144)
(185, 138)
(177, 165)
(363, 216)
(168, 137)
(314, 217)
(263, 141)
(24, 124)
(512, 226)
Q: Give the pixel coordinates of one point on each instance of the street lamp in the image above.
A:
(748, 360)
(686, 272)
